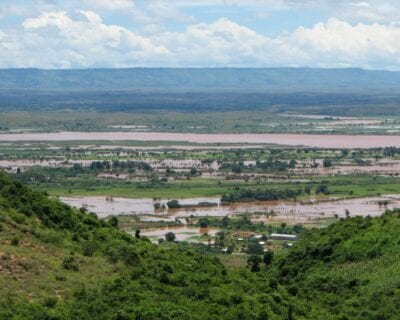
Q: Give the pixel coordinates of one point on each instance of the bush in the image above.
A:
(204, 223)
(49, 236)
(112, 255)
(129, 255)
(113, 222)
(89, 248)
(157, 205)
(60, 277)
(170, 237)
(322, 188)
(17, 217)
(268, 257)
(70, 263)
(254, 263)
(173, 204)
(50, 302)
(327, 163)
(255, 248)
(15, 241)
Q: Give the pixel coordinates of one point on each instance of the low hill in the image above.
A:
(350, 270)
(60, 263)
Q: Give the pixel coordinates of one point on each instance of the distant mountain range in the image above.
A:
(269, 80)
(346, 92)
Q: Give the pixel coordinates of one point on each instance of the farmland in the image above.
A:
(269, 183)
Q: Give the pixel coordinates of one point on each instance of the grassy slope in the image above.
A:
(349, 270)
(123, 278)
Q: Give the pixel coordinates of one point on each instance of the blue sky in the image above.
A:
(200, 33)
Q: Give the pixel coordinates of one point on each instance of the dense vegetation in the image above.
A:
(263, 166)
(61, 263)
(350, 269)
(243, 223)
(243, 194)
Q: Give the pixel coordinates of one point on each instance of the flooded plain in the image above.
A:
(182, 233)
(384, 166)
(334, 120)
(106, 206)
(320, 141)
(294, 212)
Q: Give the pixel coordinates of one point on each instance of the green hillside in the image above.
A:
(61, 263)
(350, 270)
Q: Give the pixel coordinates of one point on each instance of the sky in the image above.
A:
(63, 34)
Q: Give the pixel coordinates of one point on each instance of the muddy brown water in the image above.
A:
(320, 141)
(105, 206)
(295, 212)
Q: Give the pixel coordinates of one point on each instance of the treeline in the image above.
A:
(268, 165)
(244, 223)
(242, 195)
(120, 165)
(391, 151)
(48, 174)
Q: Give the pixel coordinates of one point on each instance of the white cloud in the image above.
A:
(221, 42)
(12, 10)
(62, 40)
(154, 14)
(56, 19)
(361, 45)
(110, 4)
(332, 44)
(82, 42)
(354, 11)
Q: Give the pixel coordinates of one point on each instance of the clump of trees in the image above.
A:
(120, 165)
(391, 151)
(70, 263)
(174, 204)
(266, 166)
(260, 195)
(170, 236)
(327, 163)
(254, 261)
(322, 188)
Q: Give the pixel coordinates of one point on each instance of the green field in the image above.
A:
(345, 186)
(257, 121)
